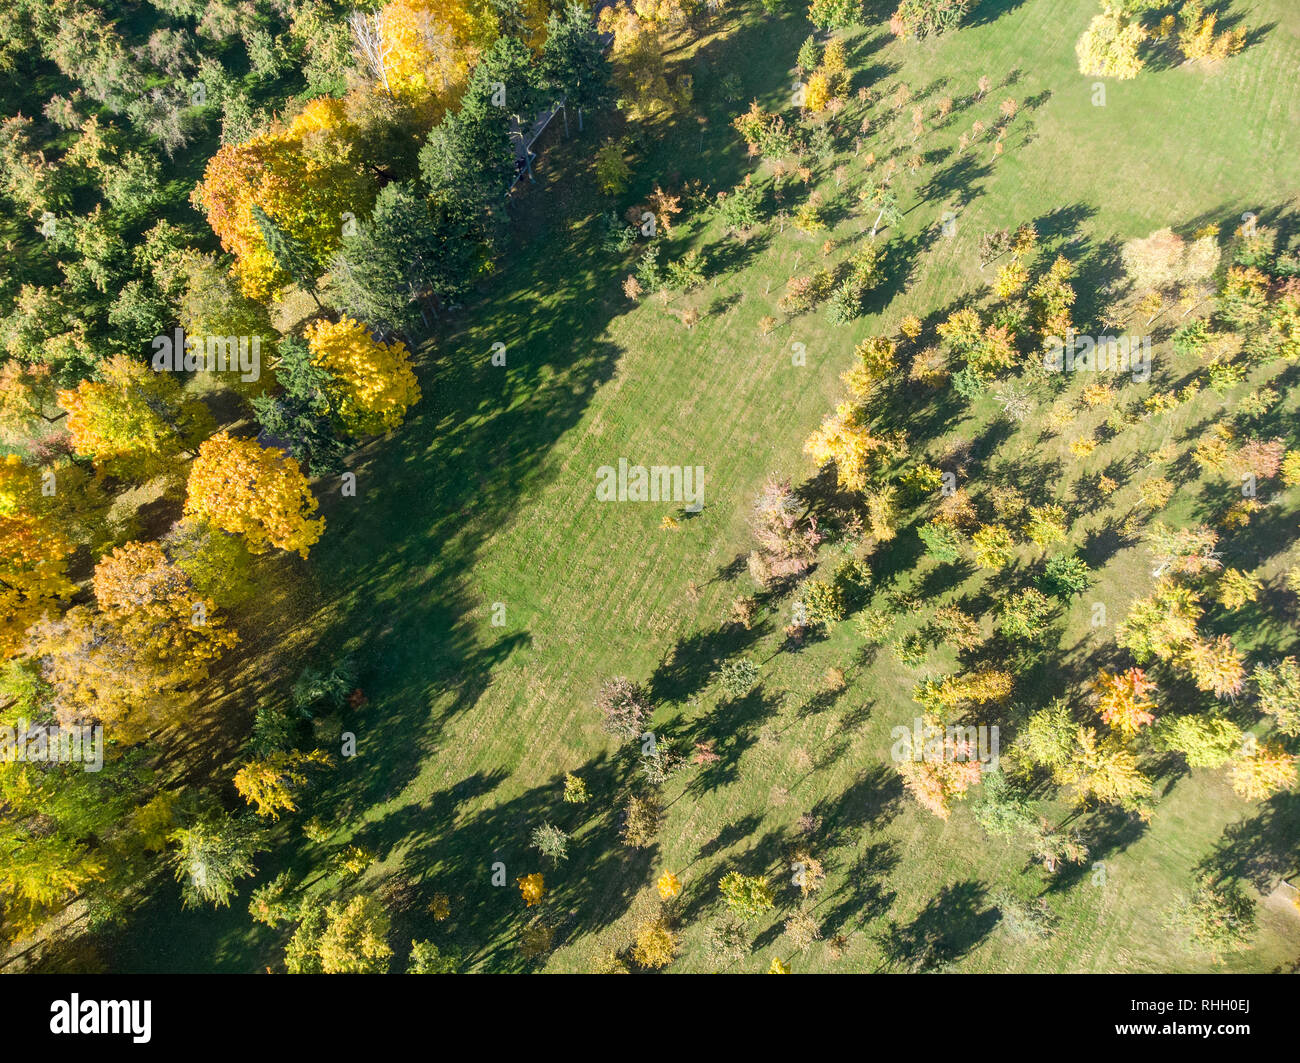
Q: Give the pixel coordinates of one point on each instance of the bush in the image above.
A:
(845, 304)
(823, 603)
(624, 708)
(747, 896)
(427, 958)
(738, 677)
(1065, 576)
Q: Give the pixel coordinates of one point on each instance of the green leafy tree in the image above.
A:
(1064, 576)
(1024, 615)
(428, 958)
(835, 14)
(291, 255)
(395, 264)
(573, 64)
(300, 417)
(211, 855)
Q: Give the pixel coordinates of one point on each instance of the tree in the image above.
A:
(373, 382)
(355, 938)
(655, 944)
(639, 68)
(669, 886)
(1046, 525)
(211, 304)
(132, 419)
(532, 887)
(468, 162)
(1025, 921)
(1025, 615)
(389, 268)
(254, 491)
(1163, 625)
(640, 821)
(936, 783)
(1064, 576)
(738, 676)
(746, 896)
(845, 439)
(992, 546)
(738, 209)
(575, 790)
(1279, 693)
(289, 253)
(1235, 588)
(428, 958)
(552, 842)
(298, 418)
(1104, 770)
(33, 555)
(1259, 775)
(271, 783)
(1204, 741)
(624, 708)
(302, 176)
(612, 170)
(1047, 739)
(373, 46)
(1124, 700)
(884, 201)
(573, 64)
(1197, 39)
(923, 18)
(765, 133)
(1109, 47)
(835, 14)
(1217, 918)
(171, 633)
(1216, 665)
(211, 855)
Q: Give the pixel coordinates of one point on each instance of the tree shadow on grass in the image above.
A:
(949, 926)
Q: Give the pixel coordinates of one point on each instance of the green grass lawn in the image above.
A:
(486, 495)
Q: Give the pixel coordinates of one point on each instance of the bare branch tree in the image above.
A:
(372, 48)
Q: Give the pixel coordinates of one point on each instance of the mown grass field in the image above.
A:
(486, 495)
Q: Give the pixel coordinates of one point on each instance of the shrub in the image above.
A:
(624, 708)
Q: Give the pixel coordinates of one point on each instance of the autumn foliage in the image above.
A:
(254, 491)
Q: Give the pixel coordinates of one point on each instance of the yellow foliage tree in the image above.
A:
(429, 48)
(1269, 770)
(132, 418)
(253, 491)
(304, 176)
(845, 439)
(33, 555)
(375, 382)
(1104, 770)
(655, 945)
(271, 783)
(533, 888)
